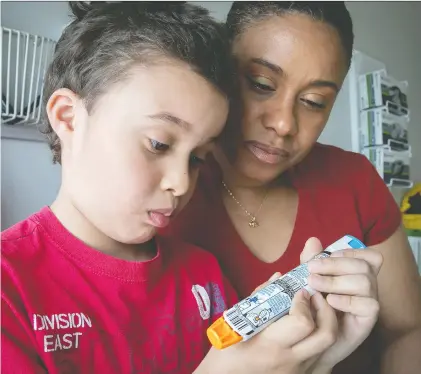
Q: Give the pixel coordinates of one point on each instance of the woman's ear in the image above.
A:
(61, 111)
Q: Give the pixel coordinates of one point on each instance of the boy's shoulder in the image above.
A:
(22, 253)
(20, 238)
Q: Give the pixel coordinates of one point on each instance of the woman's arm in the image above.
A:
(404, 349)
(399, 290)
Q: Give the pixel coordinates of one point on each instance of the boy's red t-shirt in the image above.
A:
(67, 308)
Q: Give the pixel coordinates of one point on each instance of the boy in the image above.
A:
(130, 99)
(135, 97)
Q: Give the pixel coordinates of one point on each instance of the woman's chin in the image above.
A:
(257, 171)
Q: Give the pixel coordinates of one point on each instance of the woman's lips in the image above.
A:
(266, 153)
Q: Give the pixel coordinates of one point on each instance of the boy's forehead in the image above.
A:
(174, 94)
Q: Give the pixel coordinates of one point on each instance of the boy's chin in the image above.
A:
(144, 236)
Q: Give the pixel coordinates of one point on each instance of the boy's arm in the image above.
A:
(19, 355)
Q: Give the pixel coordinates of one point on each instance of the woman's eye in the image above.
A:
(158, 146)
(260, 84)
(313, 104)
(196, 161)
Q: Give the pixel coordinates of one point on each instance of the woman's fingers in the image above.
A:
(375, 259)
(346, 272)
(324, 335)
(353, 285)
(357, 306)
(348, 262)
(339, 266)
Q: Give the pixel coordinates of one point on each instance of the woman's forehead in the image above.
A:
(294, 40)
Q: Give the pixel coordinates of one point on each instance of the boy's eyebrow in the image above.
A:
(168, 117)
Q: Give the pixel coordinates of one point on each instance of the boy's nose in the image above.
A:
(176, 180)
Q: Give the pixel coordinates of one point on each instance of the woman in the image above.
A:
(270, 186)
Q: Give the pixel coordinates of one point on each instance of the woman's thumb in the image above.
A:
(312, 248)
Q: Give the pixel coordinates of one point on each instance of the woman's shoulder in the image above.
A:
(333, 165)
(334, 158)
(352, 184)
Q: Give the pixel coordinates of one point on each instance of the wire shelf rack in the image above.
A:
(25, 59)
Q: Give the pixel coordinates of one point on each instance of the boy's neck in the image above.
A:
(79, 226)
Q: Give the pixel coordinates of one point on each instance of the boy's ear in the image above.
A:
(61, 110)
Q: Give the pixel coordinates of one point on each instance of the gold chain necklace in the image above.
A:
(253, 220)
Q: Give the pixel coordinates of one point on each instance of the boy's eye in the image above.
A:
(196, 161)
(158, 146)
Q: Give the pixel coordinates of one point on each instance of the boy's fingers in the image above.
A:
(312, 248)
(271, 279)
(324, 335)
(300, 315)
(292, 328)
(274, 277)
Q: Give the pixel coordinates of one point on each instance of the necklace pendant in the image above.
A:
(253, 223)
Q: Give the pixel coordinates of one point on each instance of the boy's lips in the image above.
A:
(160, 217)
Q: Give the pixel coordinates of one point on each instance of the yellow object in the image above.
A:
(221, 335)
(411, 221)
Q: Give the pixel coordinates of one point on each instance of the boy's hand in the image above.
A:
(349, 278)
(290, 345)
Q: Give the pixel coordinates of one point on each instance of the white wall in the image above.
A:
(218, 9)
(43, 18)
(29, 180)
(391, 32)
(387, 31)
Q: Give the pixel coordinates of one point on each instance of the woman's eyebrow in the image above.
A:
(275, 68)
(278, 70)
(324, 83)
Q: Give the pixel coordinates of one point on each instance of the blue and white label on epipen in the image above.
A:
(272, 302)
(347, 242)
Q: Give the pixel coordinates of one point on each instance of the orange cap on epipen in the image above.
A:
(221, 335)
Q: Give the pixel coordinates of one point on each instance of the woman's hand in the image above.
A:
(290, 345)
(349, 278)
